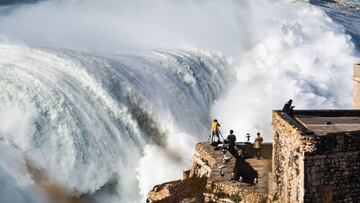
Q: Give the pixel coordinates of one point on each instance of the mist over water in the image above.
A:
(305, 56)
(109, 98)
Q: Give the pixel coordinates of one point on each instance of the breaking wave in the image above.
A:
(86, 118)
(80, 102)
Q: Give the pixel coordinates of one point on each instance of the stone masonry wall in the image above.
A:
(356, 86)
(287, 162)
(311, 168)
(332, 177)
(332, 169)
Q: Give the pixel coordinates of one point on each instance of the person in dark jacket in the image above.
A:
(231, 140)
(288, 108)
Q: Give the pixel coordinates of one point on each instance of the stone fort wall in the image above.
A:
(287, 164)
(311, 168)
(356, 86)
(332, 170)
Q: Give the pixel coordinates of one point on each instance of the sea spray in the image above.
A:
(17, 185)
(304, 56)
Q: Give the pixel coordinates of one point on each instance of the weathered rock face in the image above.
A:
(210, 179)
(188, 190)
(203, 161)
(193, 185)
(162, 191)
(314, 168)
(221, 188)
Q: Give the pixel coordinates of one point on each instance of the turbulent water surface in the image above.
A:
(86, 118)
(107, 99)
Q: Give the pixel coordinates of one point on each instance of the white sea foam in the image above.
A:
(305, 56)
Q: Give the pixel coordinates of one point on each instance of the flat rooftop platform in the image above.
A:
(323, 122)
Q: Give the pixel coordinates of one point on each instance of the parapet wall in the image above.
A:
(249, 151)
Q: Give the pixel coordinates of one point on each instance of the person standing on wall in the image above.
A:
(231, 141)
(257, 145)
(215, 130)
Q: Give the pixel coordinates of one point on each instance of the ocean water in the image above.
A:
(108, 98)
(347, 15)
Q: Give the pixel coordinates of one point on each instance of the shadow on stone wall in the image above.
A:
(245, 170)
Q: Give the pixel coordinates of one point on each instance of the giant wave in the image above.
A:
(86, 118)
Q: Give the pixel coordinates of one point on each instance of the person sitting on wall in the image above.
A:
(288, 108)
(257, 145)
(231, 139)
(215, 131)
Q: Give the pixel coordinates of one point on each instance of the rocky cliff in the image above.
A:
(215, 174)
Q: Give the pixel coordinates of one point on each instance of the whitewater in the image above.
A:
(108, 99)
